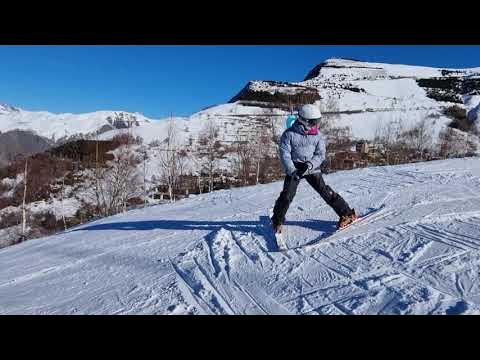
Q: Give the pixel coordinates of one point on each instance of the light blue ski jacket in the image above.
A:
(296, 146)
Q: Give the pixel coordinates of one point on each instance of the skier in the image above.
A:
(302, 151)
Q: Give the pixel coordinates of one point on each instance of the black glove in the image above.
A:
(303, 167)
(295, 175)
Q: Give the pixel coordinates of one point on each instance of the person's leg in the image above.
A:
(283, 202)
(338, 204)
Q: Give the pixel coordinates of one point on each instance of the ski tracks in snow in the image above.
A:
(407, 258)
(222, 275)
(418, 254)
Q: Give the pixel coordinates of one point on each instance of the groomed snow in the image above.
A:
(209, 254)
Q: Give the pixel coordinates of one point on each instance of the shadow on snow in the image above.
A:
(260, 227)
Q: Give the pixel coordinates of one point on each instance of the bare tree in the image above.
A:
(199, 183)
(144, 157)
(61, 169)
(97, 175)
(172, 160)
(244, 157)
(447, 143)
(210, 144)
(389, 135)
(116, 182)
(455, 143)
(24, 213)
(419, 138)
(62, 198)
(261, 147)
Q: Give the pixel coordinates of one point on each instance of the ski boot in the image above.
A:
(346, 220)
(277, 228)
(279, 236)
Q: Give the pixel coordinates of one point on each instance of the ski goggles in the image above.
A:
(311, 122)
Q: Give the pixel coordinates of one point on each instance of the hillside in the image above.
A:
(359, 95)
(20, 142)
(210, 254)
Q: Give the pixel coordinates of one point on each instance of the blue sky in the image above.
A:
(159, 80)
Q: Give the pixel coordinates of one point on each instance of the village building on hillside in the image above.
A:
(360, 154)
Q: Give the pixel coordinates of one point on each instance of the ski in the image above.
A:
(362, 220)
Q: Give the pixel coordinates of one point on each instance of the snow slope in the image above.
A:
(209, 254)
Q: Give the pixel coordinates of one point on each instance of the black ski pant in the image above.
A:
(338, 204)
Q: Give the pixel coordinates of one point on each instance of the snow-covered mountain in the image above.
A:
(362, 95)
(63, 126)
(231, 119)
(211, 254)
(366, 94)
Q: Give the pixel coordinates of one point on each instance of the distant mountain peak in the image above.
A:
(5, 108)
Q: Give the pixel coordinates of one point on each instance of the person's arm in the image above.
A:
(318, 155)
(286, 153)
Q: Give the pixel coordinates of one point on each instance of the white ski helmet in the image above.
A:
(309, 115)
(310, 112)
